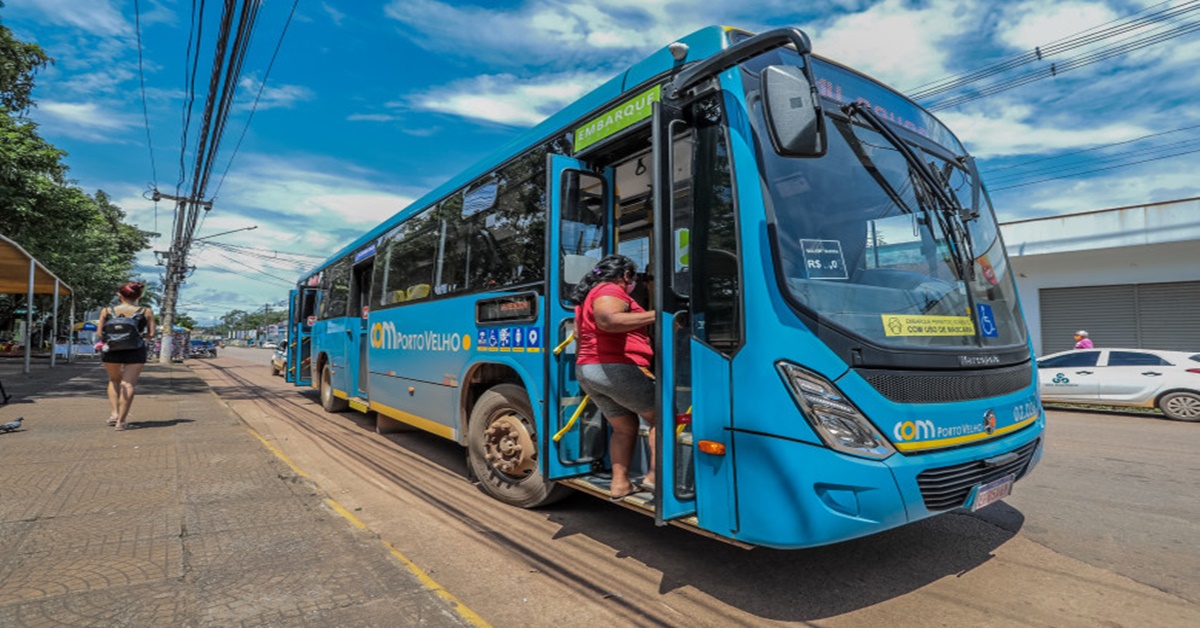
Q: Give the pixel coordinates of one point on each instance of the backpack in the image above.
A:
(123, 332)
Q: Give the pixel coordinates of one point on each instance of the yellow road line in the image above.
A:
(429, 583)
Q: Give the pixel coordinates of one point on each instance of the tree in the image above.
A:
(83, 239)
(19, 61)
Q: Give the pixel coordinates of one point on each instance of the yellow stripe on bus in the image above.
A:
(432, 427)
(958, 440)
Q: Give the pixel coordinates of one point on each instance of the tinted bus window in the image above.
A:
(408, 260)
(337, 290)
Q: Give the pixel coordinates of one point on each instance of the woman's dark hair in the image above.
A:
(612, 268)
(132, 290)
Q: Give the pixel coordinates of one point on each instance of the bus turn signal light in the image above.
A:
(712, 447)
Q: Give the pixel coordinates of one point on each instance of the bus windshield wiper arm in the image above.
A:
(856, 146)
(950, 216)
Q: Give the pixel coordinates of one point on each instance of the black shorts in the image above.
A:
(128, 356)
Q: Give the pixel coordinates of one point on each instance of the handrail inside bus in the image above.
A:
(738, 53)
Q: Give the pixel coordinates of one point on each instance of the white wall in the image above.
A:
(1146, 244)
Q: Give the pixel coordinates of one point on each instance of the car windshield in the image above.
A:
(899, 249)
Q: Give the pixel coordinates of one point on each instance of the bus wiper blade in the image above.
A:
(949, 215)
(855, 144)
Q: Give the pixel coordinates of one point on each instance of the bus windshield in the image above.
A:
(889, 235)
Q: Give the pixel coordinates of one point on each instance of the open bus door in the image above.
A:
(581, 206)
(302, 310)
(675, 492)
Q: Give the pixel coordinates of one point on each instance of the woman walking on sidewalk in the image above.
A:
(124, 329)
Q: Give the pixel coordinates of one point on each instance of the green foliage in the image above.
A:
(83, 239)
(19, 61)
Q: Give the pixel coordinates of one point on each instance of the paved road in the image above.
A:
(1061, 552)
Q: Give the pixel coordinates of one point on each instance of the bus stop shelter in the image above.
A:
(20, 273)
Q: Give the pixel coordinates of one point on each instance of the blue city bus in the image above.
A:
(839, 349)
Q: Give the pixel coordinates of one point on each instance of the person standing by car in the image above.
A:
(613, 362)
(124, 329)
(1082, 341)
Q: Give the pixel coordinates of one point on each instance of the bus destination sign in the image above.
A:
(618, 118)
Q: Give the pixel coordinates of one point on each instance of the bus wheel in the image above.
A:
(328, 401)
(502, 449)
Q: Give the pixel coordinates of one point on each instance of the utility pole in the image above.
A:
(176, 265)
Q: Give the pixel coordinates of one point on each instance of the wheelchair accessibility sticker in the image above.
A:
(510, 340)
(987, 322)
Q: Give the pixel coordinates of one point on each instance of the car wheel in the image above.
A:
(1181, 406)
(274, 370)
(328, 400)
(502, 449)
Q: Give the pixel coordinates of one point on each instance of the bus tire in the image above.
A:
(1180, 405)
(502, 449)
(328, 400)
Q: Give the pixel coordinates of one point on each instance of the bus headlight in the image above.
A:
(832, 416)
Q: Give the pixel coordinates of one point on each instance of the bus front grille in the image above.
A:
(949, 487)
(944, 387)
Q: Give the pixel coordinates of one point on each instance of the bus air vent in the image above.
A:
(948, 386)
(949, 487)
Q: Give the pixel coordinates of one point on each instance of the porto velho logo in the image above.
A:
(385, 336)
(1061, 379)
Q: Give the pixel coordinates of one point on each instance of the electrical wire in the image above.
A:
(1090, 36)
(137, 21)
(257, 97)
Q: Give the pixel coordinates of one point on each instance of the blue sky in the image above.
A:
(371, 103)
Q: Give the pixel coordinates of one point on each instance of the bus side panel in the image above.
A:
(793, 495)
(417, 403)
(433, 346)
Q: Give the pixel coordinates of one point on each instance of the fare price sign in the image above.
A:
(823, 259)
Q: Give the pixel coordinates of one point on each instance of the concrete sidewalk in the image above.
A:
(187, 520)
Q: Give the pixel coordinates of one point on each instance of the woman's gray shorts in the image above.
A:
(617, 389)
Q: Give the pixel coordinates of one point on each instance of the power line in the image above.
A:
(257, 97)
(137, 21)
(1070, 64)
(1039, 53)
(1067, 176)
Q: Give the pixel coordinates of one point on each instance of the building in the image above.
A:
(1130, 276)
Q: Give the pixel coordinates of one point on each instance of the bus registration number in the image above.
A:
(993, 492)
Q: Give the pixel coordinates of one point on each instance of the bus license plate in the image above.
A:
(993, 492)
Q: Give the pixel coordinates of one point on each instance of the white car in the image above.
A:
(1143, 378)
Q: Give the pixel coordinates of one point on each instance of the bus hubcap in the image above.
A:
(509, 446)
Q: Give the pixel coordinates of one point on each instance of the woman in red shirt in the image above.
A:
(613, 362)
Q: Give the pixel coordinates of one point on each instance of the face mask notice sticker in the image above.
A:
(908, 325)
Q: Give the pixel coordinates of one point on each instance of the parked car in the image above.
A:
(1142, 378)
(202, 349)
(279, 359)
(270, 344)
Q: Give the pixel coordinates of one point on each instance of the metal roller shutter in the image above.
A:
(1169, 315)
(1150, 316)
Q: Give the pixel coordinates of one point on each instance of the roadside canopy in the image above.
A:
(14, 272)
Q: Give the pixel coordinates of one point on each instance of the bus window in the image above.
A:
(583, 226)
(337, 290)
(408, 261)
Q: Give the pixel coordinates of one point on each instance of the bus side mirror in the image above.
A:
(795, 119)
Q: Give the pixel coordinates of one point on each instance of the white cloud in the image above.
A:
(98, 17)
(371, 117)
(1026, 25)
(1010, 128)
(272, 96)
(334, 14)
(507, 99)
(88, 121)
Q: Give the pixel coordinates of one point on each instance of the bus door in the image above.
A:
(360, 300)
(671, 189)
(580, 209)
(302, 310)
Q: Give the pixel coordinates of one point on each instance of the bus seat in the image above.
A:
(399, 296)
(419, 291)
(576, 266)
